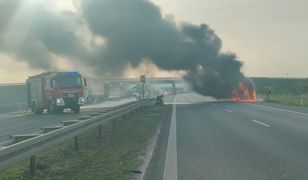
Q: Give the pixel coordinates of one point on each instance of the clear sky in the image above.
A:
(269, 36)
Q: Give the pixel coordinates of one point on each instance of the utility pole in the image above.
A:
(142, 80)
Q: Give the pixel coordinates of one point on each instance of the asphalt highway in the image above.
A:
(29, 123)
(233, 141)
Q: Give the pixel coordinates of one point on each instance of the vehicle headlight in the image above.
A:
(81, 100)
(60, 102)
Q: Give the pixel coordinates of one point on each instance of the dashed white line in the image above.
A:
(261, 123)
(279, 109)
(228, 110)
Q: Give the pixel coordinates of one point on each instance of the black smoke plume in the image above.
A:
(133, 30)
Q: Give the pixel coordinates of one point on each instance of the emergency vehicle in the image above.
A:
(56, 91)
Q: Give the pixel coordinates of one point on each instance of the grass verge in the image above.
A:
(288, 99)
(109, 156)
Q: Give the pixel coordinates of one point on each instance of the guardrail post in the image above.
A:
(32, 165)
(35, 145)
(76, 143)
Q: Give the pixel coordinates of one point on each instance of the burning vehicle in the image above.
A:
(244, 92)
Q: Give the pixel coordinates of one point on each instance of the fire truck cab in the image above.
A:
(56, 91)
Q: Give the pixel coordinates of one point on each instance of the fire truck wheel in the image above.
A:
(40, 111)
(76, 109)
(50, 107)
(60, 110)
(35, 109)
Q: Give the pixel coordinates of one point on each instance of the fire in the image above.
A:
(243, 93)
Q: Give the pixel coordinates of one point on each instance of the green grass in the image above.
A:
(109, 156)
(288, 99)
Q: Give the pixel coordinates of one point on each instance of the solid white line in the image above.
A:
(228, 110)
(261, 123)
(285, 110)
(170, 170)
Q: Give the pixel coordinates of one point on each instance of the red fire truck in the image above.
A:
(56, 91)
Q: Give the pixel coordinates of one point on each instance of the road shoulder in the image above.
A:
(155, 169)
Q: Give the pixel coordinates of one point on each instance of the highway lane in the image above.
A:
(24, 123)
(188, 98)
(224, 140)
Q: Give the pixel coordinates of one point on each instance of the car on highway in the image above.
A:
(114, 97)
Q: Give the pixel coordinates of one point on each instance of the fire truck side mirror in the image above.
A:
(85, 82)
(51, 83)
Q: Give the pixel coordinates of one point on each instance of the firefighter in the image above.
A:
(268, 93)
(159, 100)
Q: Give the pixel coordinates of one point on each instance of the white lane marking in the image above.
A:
(261, 123)
(180, 103)
(170, 170)
(228, 110)
(279, 109)
(175, 99)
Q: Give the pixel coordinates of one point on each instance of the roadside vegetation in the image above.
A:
(287, 99)
(287, 91)
(111, 155)
(294, 86)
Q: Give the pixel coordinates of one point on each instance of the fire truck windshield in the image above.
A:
(68, 81)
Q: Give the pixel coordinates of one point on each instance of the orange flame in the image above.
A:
(243, 94)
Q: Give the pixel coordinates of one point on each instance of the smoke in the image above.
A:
(33, 33)
(132, 30)
(7, 12)
(135, 29)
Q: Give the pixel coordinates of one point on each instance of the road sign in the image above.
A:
(142, 78)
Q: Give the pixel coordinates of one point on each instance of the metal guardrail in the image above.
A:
(29, 148)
